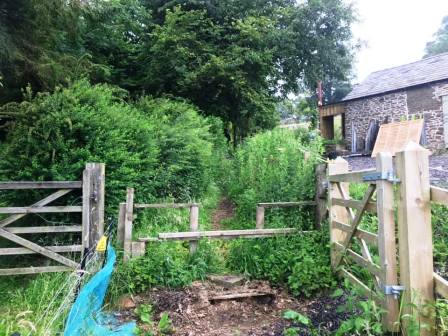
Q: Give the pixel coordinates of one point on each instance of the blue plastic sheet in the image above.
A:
(86, 317)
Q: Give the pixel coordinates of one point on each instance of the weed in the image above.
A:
(144, 313)
(165, 324)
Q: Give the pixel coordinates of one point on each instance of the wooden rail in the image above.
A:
(166, 206)
(439, 195)
(47, 209)
(226, 234)
(57, 249)
(440, 285)
(40, 185)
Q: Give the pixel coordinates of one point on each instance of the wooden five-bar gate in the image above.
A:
(398, 188)
(91, 228)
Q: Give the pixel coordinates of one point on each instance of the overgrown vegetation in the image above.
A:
(163, 147)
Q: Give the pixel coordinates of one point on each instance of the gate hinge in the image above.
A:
(394, 290)
(386, 176)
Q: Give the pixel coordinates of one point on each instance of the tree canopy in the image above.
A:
(440, 43)
(232, 59)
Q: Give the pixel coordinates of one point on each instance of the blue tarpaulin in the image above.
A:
(86, 317)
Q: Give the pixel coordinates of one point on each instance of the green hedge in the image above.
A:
(162, 147)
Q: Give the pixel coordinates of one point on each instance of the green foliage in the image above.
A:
(161, 147)
(302, 263)
(29, 306)
(167, 264)
(165, 324)
(439, 44)
(297, 317)
(366, 318)
(113, 33)
(145, 313)
(271, 167)
(442, 316)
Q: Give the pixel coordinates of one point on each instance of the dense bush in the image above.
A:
(161, 147)
(302, 262)
(271, 167)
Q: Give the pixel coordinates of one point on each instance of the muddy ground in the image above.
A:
(194, 311)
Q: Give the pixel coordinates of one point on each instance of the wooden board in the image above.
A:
(16, 185)
(394, 137)
(227, 234)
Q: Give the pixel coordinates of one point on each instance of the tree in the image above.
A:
(235, 59)
(39, 44)
(440, 43)
(112, 35)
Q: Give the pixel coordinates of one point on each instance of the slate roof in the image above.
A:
(427, 70)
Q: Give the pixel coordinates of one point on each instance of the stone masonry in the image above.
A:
(422, 101)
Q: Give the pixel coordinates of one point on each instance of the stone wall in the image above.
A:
(420, 101)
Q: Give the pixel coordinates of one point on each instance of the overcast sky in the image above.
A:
(395, 31)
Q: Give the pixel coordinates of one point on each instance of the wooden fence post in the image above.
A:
(92, 204)
(120, 225)
(194, 225)
(415, 237)
(128, 219)
(321, 195)
(337, 213)
(260, 217)
(386, 241)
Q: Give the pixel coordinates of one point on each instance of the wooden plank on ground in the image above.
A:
(226, 234)
(369, 237)
(286, 204)
(47, 209)
(40, 203)
(353, 177)
(24, 250)
(165, 205)
(36, 248)
(441, 285)
(439, 195)
(34, 270)
(354, 204)
(233, 296)
(16, 185)
(45, 229)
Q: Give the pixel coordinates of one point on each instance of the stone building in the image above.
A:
(415, 90)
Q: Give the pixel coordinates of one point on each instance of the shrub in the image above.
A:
(271, 167)
(160, 146)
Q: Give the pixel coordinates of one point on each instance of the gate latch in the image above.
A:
(386, 176)
(393, 290)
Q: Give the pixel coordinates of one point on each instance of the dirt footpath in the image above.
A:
(196, 311)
